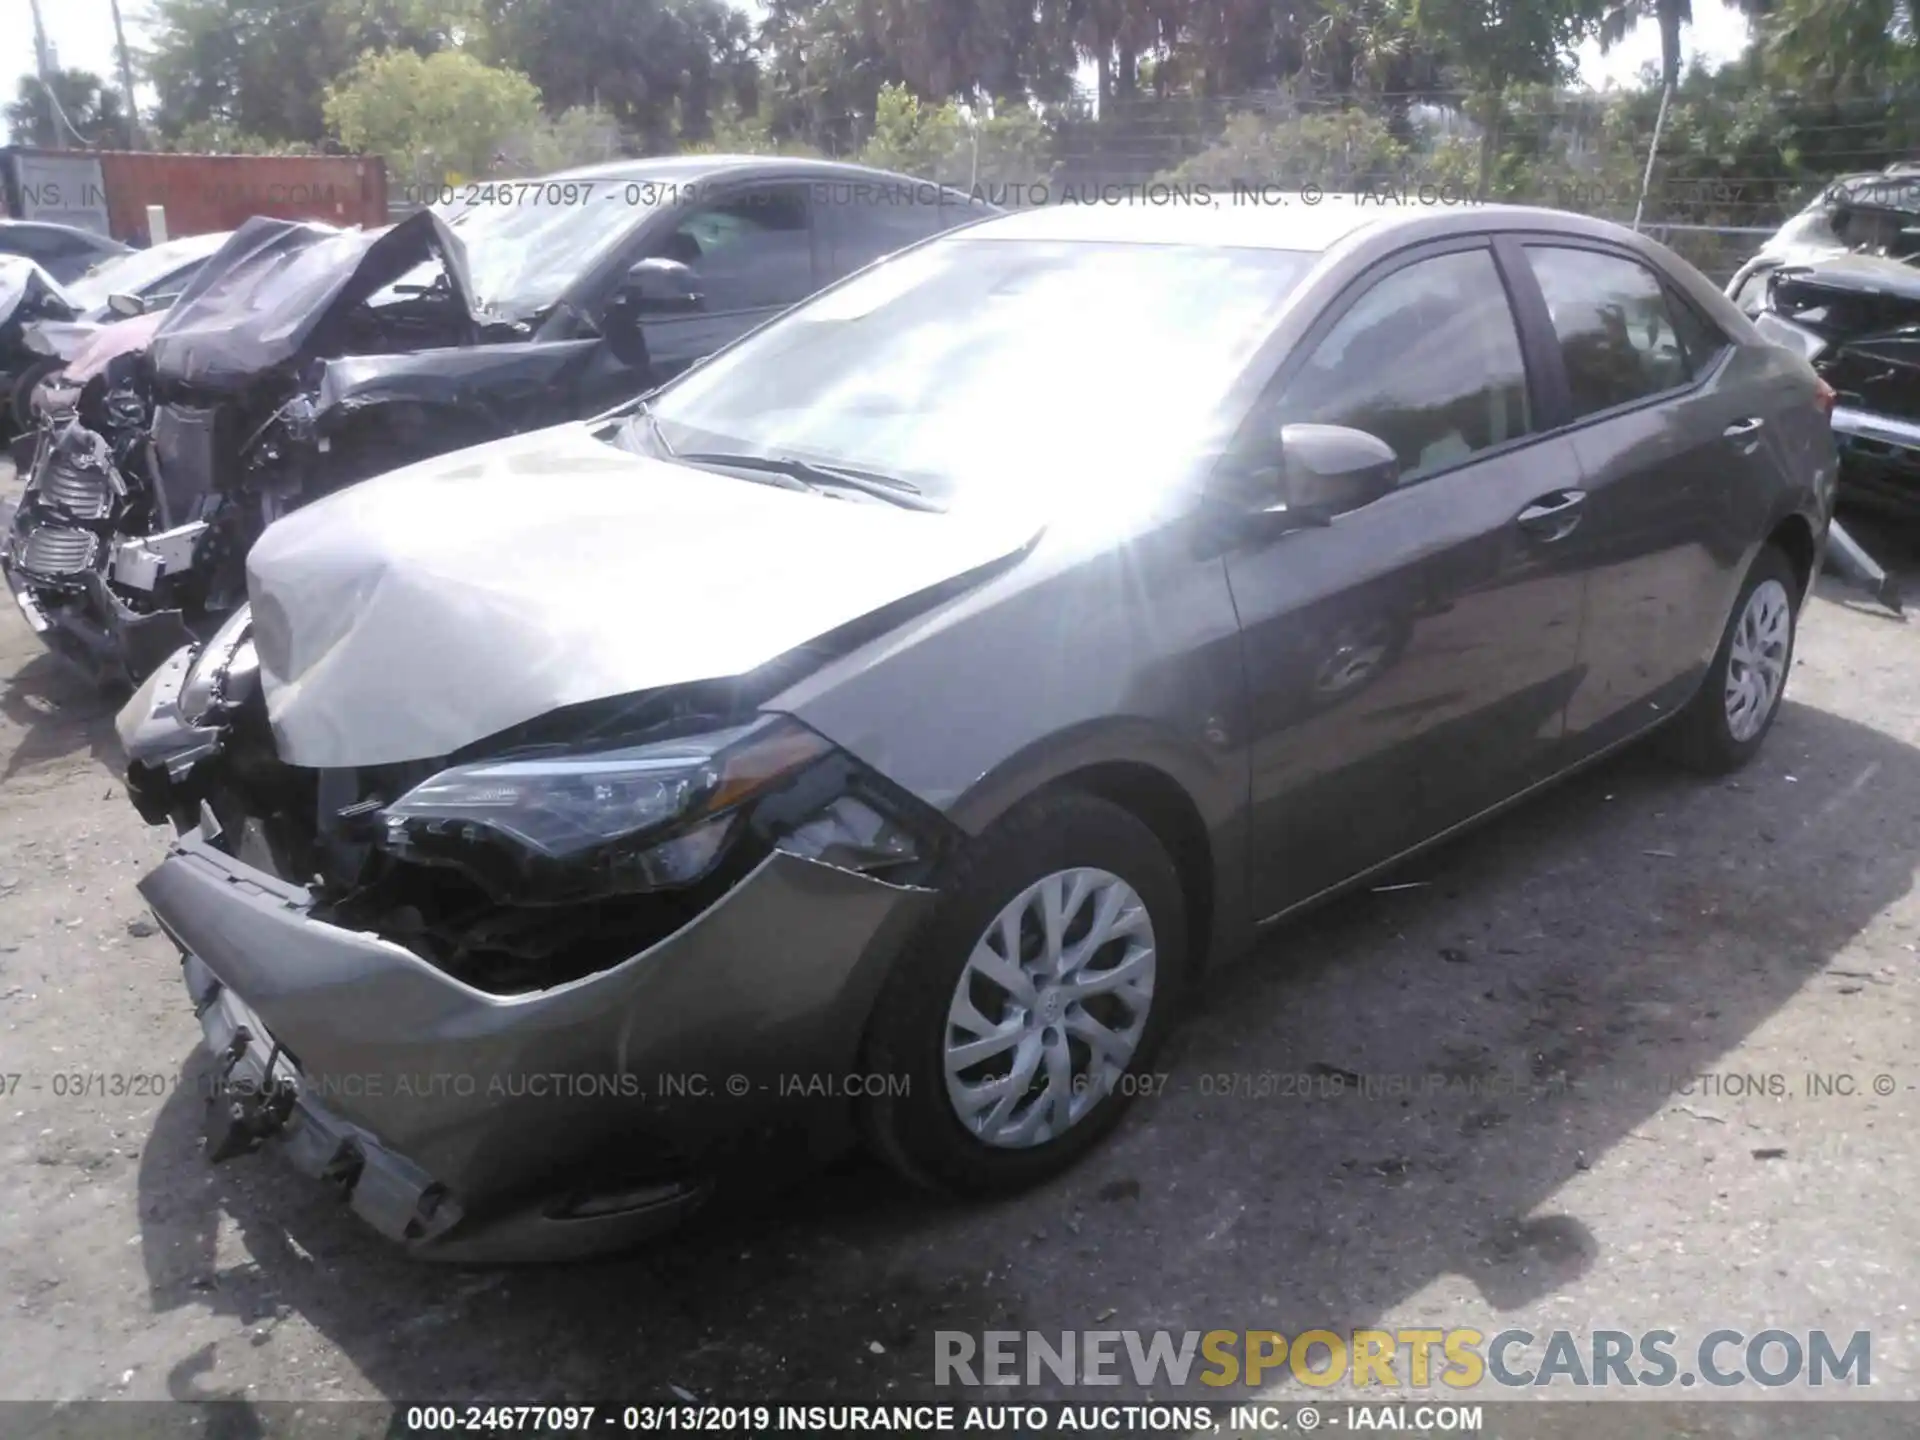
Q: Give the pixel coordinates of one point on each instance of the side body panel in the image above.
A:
(1678, 508)
(1127, 655)
(1681, 490)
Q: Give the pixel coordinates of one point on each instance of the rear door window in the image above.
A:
(864, 222)
(1701, 341)
(1617, 328)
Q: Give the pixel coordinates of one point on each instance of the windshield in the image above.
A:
(978, 370)
(133, 273)
(525, 248)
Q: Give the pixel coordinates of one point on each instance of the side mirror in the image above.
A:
(126, 306)
(658, 286)
(1327, 470)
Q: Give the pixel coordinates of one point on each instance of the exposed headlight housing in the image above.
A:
(850, 833)
(225, 670)
(642, 817)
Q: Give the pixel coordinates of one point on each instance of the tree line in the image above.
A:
(1468, 92)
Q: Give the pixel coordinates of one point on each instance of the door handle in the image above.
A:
(1744, 429)
(1553, 515)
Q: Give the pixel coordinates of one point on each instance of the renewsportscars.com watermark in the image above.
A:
(1459, 1359)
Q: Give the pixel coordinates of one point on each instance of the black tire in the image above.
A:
(20, 399)
(1700, 737)
(917, 1132)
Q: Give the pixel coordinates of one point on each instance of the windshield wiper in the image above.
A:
(807, 475)
(645, 416)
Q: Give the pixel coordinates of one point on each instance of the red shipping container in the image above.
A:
(199, 193)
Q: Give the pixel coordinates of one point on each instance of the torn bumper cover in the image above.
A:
(469, 1125)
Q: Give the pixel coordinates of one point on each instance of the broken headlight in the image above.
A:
(642, 817)
(853, 835)
(224, 672)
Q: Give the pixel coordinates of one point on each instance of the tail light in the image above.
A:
(1824, 396)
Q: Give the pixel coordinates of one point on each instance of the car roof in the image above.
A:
(12, 222)
(1213, 216)
(689, 168)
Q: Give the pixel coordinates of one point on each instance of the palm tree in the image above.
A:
(1622, 15)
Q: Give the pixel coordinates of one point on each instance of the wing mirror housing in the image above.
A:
(126, 306)
(657, 286)
(1327, 470)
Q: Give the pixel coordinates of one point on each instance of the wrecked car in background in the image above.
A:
(302, 359)
(873, 731)
(136, 283)
(65, 252)
(1840, 285)
(28, 295)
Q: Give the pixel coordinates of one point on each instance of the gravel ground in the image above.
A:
(1631, 926)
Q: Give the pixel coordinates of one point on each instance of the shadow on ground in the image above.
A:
(1547, 974)
(61, 714)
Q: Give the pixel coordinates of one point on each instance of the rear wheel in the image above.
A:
(1016, 1027)
(1723, 726)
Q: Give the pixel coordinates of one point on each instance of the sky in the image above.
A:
(81, 32)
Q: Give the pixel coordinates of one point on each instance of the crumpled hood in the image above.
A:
(410, 616)
(1867, 303)
(1857, 274)
(274, 292)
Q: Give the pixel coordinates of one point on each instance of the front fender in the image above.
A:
(1065, 663)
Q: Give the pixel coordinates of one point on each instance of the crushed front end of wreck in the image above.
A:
(1839, 286)
(1857, 319)
(170, 440)
(88, 549)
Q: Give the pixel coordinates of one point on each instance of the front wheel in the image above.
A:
(20, 398)
(1016, 1027)
(1722, 727)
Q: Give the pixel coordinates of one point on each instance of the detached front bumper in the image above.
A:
(468, 1125)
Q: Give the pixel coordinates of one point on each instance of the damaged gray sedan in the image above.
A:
(876, 732)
